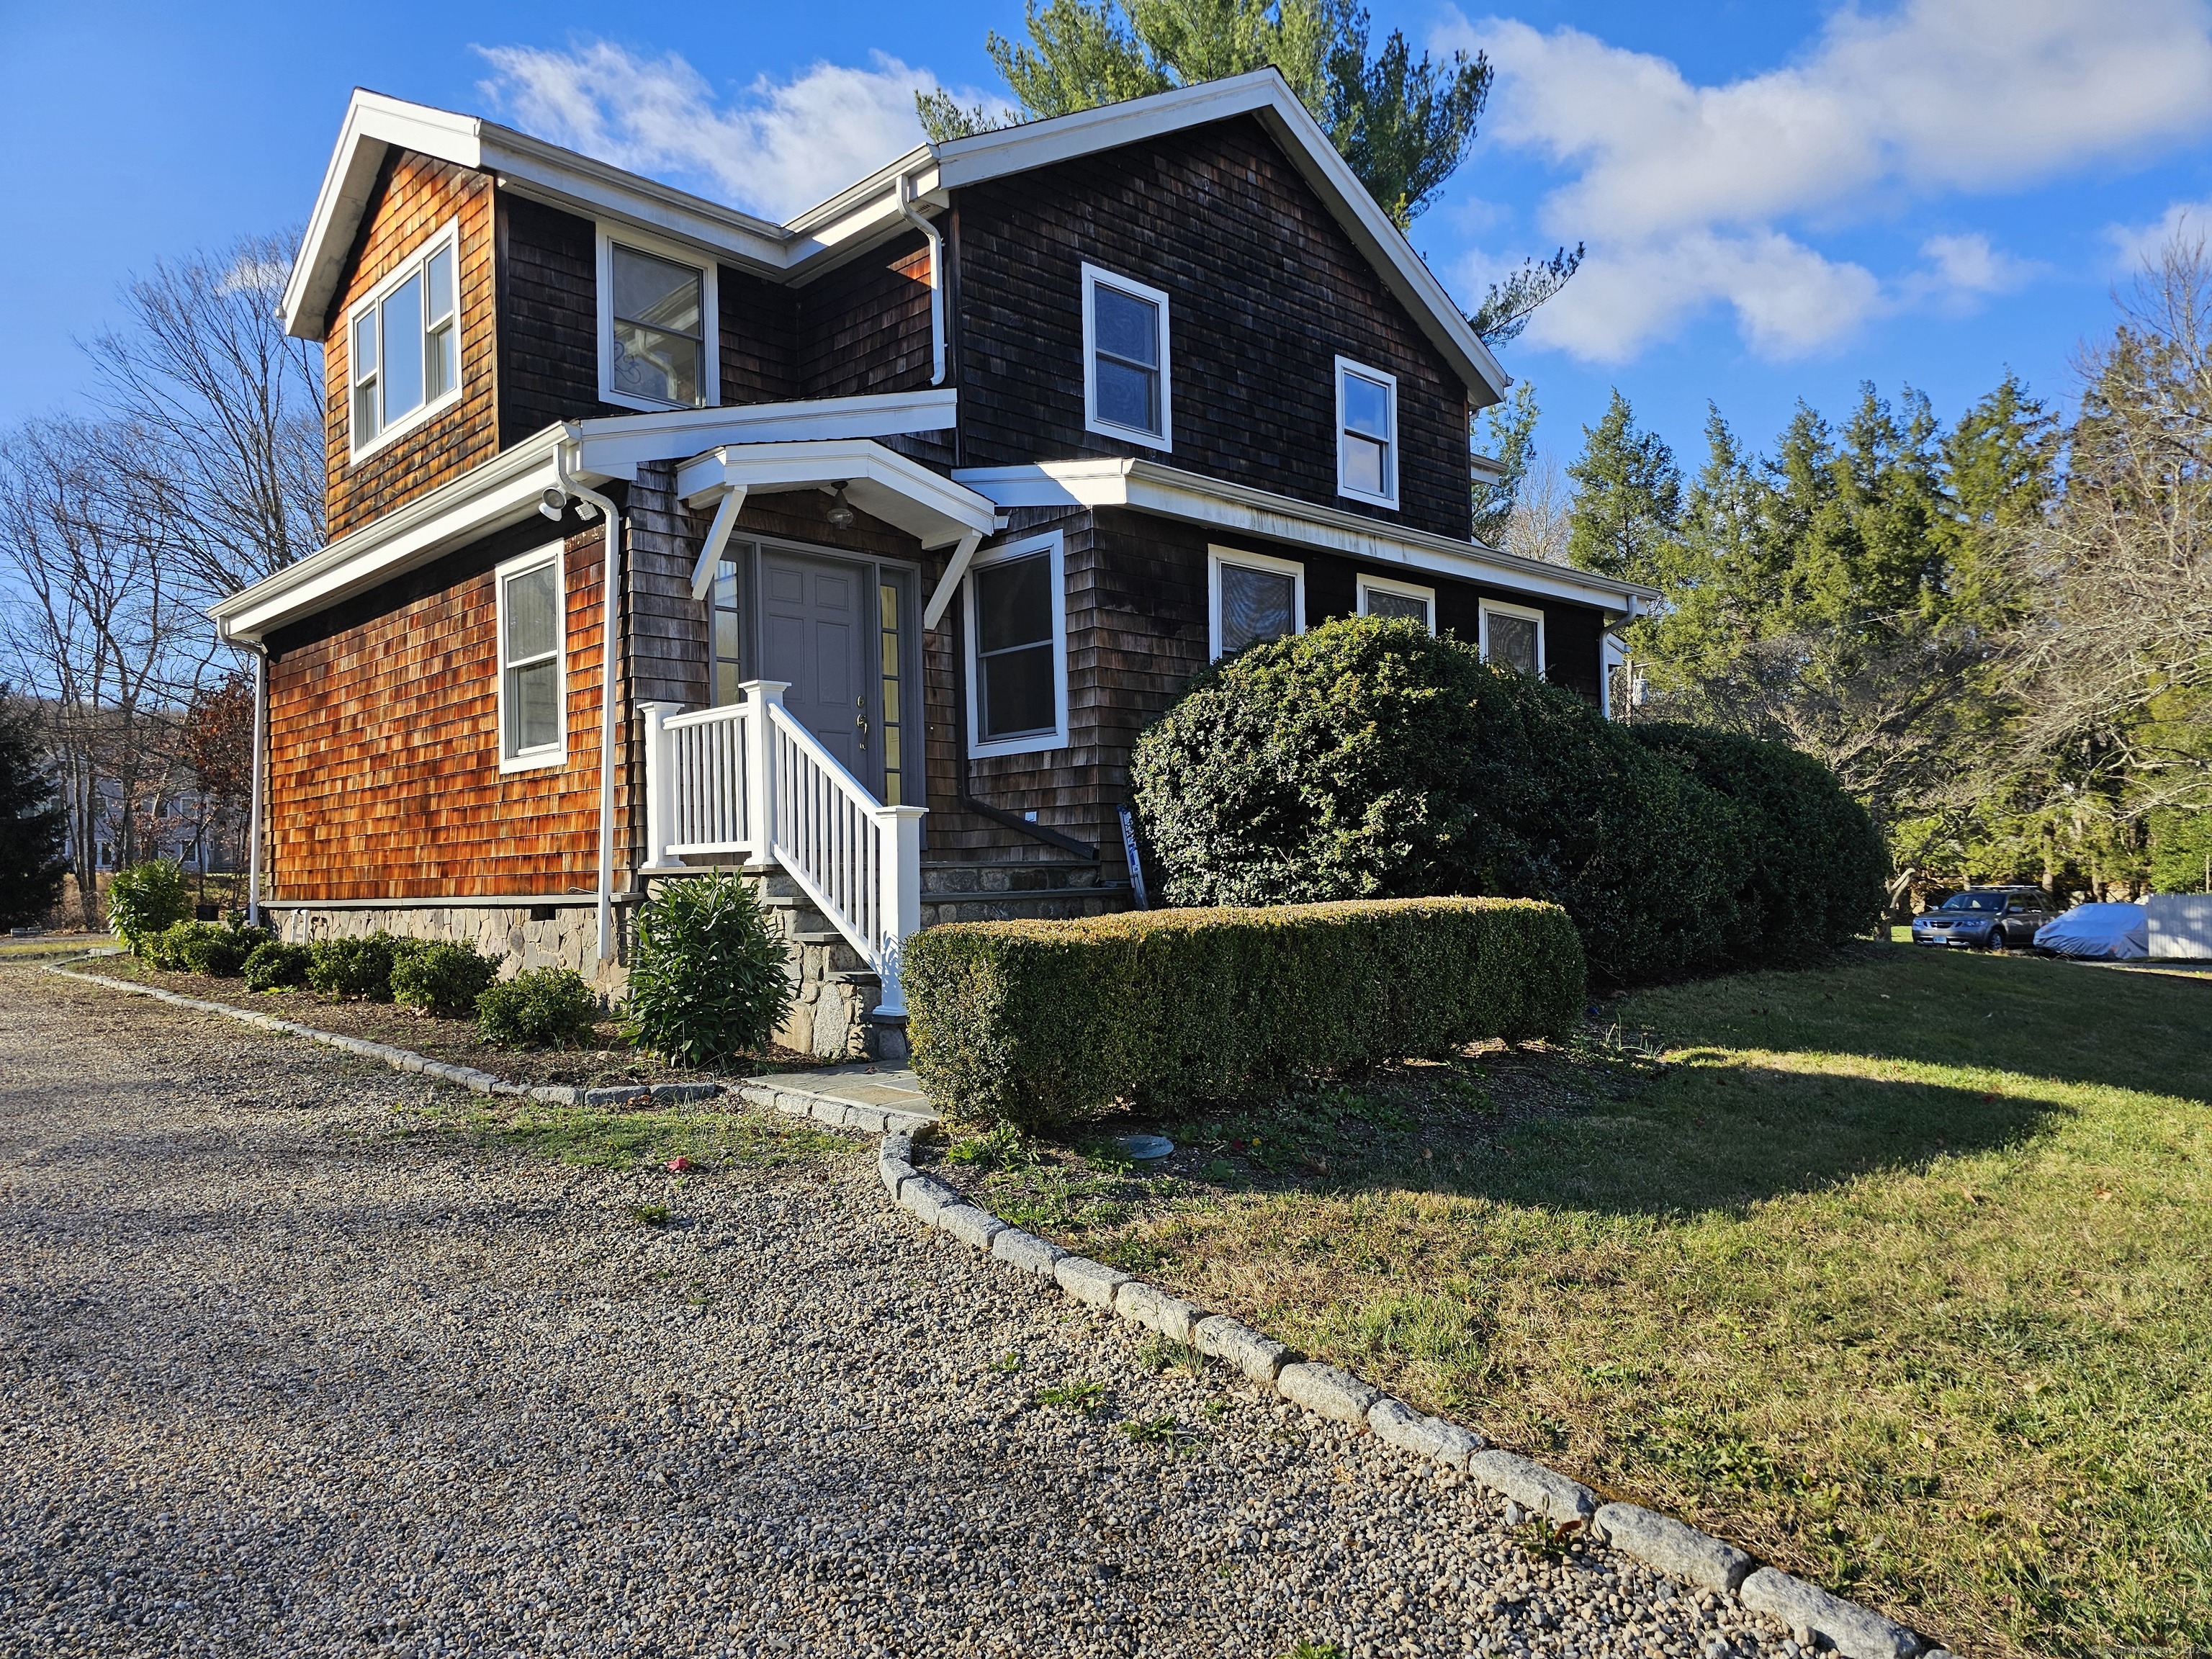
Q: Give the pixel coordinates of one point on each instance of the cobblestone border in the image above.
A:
(1657, 1540)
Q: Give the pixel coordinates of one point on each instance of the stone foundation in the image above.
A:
(570, 939)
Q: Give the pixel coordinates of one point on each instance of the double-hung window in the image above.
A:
(405, 344)
(1513, 636)
(1381, 596)
(533, 727)
(1366, 433)
(1127, 391)
(1253, 599)
(1017, 649)
(657, 333)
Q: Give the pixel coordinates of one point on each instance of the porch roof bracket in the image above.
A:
(718, 538)
(949, 583)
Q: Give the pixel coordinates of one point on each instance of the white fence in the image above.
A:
(749, 779)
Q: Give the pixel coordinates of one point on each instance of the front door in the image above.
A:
(817, 625)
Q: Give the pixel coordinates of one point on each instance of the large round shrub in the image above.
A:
(1814, 864)
(709, 980)
(276, 966)
(538, 1008)
(1371, 759)
(441, 977)
(145, 899)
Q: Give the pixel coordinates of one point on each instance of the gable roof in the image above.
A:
(865, 212)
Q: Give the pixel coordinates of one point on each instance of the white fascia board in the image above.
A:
(502, 492)
(1265, 93)
(1148, 487)
(881, 483)
(613, 445)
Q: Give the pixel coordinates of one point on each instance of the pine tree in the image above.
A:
(30, 865)
(1510, 440)
(1628, 500)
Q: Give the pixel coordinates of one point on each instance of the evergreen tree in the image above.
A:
(1509, 439)
(30, 865)
(1628, 500)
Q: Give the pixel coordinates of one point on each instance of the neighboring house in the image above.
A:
(927, 499)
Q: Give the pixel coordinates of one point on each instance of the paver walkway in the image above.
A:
(281, 1378)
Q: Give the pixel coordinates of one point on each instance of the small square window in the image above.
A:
(1126, 381)
(1366, 433)
(1513, 637)
(532, 664)
(405, 344)
(658, 338)
(1379, 596)
(1255, 598)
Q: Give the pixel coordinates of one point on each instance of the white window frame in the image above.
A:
(1029, 743)
(447, 235)
(1406, 590)
(710, 367)
(1500, 608)
(1390, 382)
(1094, 276)
(1217, 556)
(556, 555)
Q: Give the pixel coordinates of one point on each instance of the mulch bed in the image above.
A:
(607, 1061)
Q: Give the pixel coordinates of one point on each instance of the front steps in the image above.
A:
(1012, 889)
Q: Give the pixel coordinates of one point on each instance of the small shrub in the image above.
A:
(221, 951)
(145, 899)
(276, 966)
(543, 1008)
(442, 978)
(709, 980)
(1040, 1023)
(352, 969)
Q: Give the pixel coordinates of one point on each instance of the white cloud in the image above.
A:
(1678, 187)
(249, 275)
(2138, 245)
(780, 148)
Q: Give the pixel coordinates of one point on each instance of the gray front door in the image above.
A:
(818, 623)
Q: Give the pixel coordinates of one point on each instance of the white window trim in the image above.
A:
(1501, 608)
(448, 234)
(710, 369)
(1029, 743)
(1217, 556)
(1164, 439)
(556, 555)
(1408, 590)
(1347, 366)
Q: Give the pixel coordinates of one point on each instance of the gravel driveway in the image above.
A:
(280, 1379)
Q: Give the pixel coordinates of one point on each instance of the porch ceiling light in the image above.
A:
(840, 510)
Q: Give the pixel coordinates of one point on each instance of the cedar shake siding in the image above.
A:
(548, 321)
(384, 715)
(1265, 291)
(865, 327)
(415, 198)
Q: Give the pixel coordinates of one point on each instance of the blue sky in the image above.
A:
(1781, 199)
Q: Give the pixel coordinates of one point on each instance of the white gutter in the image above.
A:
(610, 660)
(936, 280)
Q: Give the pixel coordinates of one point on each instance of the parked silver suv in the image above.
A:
(1986, 918)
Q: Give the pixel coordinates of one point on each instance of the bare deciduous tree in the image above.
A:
(1537, 527)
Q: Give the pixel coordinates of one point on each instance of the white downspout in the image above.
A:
(610, 679)
(260, 768)
(936, 281)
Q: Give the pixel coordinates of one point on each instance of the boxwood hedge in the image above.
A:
(1042, 1022)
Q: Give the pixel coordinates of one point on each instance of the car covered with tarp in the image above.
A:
(2113, 932)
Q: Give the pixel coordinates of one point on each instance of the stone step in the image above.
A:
(1008, 876)
(1056, 904)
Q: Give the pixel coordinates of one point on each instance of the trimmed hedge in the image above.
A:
(1368, 758)
(1042, 1022)
(276, 966)
(442, 978)
(538, 1008)
(353, 969)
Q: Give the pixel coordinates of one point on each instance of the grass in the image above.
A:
(1897, 1271)
(596, 1139)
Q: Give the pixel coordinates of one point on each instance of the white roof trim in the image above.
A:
(825, 234)
(879, 481)
(1148, 487)
(490, 497)
(610, 446)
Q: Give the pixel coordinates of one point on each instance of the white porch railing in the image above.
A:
(748, 778)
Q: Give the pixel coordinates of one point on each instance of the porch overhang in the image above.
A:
(881, 483)
(1168, 492)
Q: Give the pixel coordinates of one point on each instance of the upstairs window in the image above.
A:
(1126, 385)
(1017, 649)
(1366, 433)
(657, 334)
(1253, 598)
(532, 667)
(405, 343)
(1513, 636)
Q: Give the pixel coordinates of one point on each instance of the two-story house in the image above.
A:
(854, 550)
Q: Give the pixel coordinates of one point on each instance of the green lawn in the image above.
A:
(1895, 1271)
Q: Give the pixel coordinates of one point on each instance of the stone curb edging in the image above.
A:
(837, 1114)
(467, 1077)
(1658, 1541)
